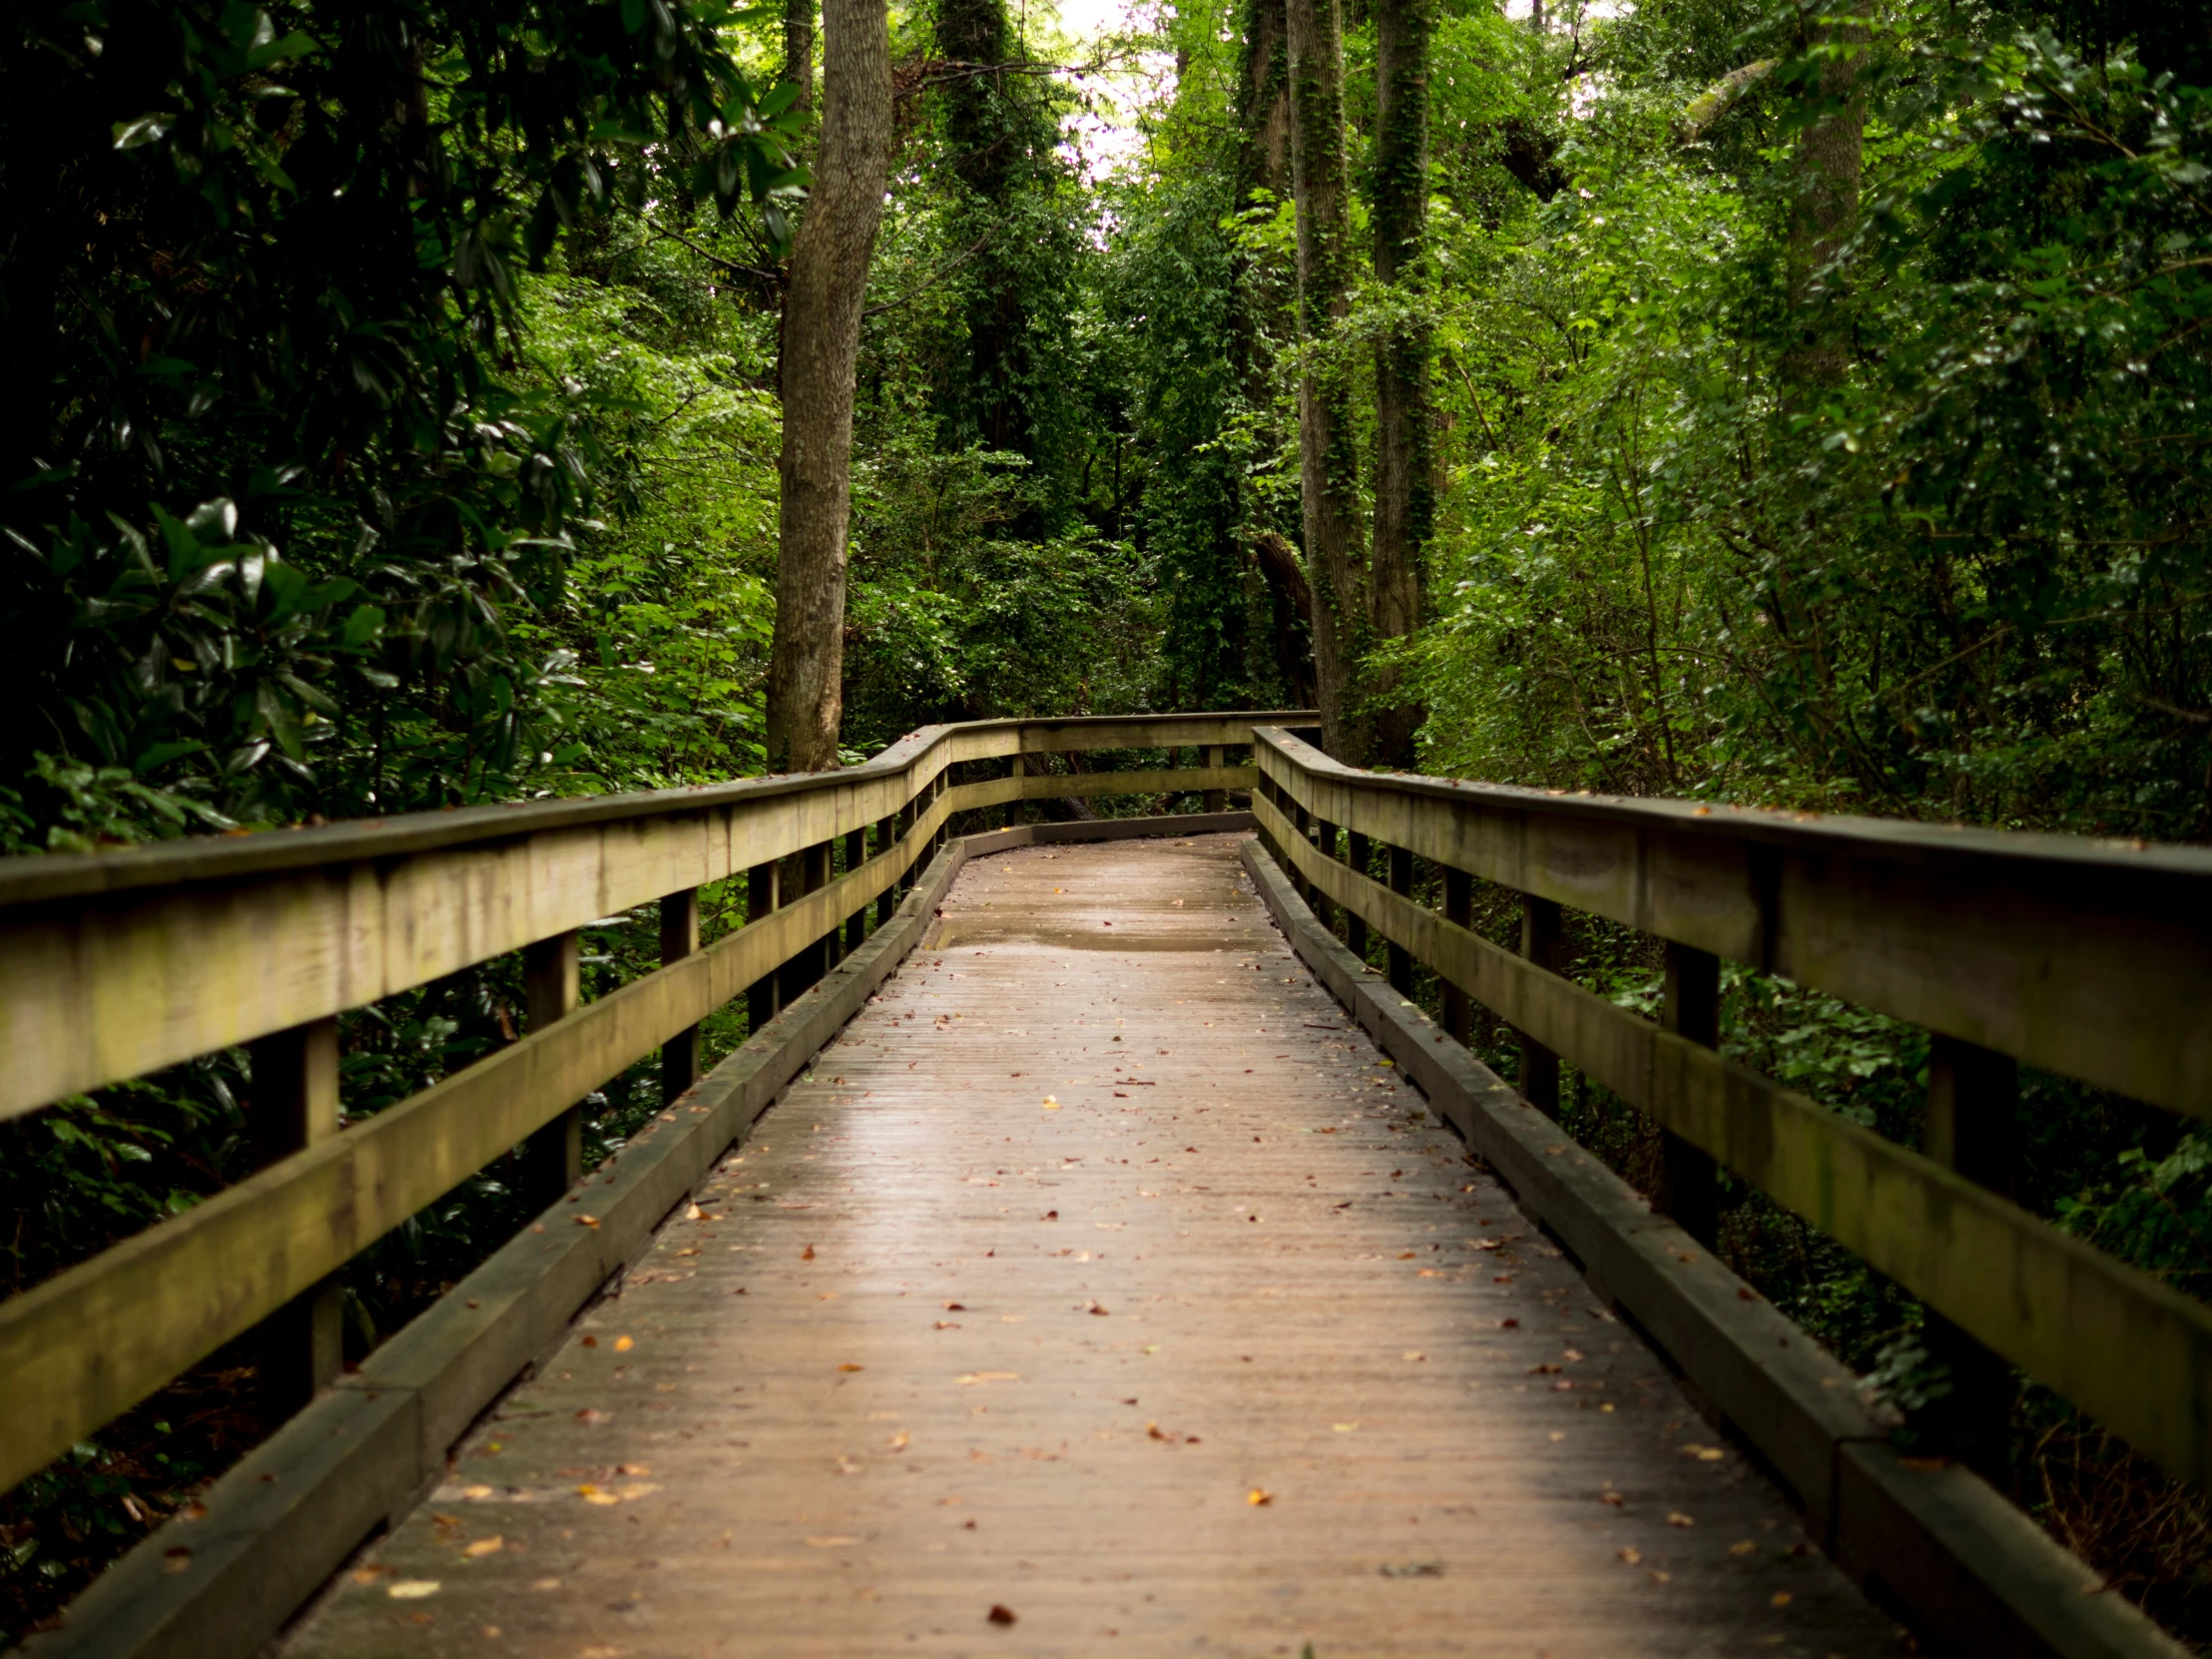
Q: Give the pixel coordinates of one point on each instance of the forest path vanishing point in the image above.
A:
(1100, 1291)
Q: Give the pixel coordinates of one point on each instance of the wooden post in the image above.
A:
(1299, 885)
(806, 966)
(762, 899)
(832, 945)
(1217, 801)
(294, 1104)
(856, 924)
(1459, 910)
(1399, 959)
(886, 901)
(678, 939)
(553, 1158)
(1356, 924)
(1972, 1127)
(1689, 1182)
(1326, 838)
(1539, 942)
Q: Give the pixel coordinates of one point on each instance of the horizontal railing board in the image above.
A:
(919, 757)
(2125, 1348)
(2084, 957)
(92, 1342)
(118, 981)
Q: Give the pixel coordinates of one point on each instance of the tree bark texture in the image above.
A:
(798, 48)
(1404, 487)
(1263, 102)
(1824, 202)
(1336, 565)
(821, 340)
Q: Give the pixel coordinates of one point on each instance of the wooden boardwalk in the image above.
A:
(1099, 1292)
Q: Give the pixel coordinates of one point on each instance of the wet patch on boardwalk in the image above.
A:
(1099, 1291)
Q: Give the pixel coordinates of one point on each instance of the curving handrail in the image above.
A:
(116, 964)
(2085, 958)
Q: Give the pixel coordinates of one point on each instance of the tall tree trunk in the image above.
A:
(1405, 488)
(1335, 567)
(1824, 205)
(1263, 102)
(821, 341)
(798, 48)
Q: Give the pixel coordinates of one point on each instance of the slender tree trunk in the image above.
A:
(821, 341)
(798, 48)
(1335, 567)
(1405, 489)
(1824, 206)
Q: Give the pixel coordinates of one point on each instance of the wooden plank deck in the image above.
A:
(1100, 1276)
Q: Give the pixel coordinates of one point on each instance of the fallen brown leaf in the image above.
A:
(1000, 1614)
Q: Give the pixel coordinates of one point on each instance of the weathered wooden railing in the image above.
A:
(2093, 959)
(115, 965)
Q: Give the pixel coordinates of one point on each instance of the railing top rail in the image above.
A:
(2090, 958)
(45, 877)
(1903, 839)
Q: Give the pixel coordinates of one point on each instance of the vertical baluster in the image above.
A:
(1689, 1182)
(763, 898)
(1401, 961)
(806, 965)
(1356, 924)
(831, 947)
(1217, 801)
(886, 901)
(678, 939)
(1459, 910)
(1325, 839)
(1299, 885)
(855, 925)
(293, 1105)
(1972, 1127)
(1540, 942)
(553, 1158)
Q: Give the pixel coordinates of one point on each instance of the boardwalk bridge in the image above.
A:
(1095, 1246)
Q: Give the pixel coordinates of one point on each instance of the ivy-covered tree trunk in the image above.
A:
(1329, 485)
(821, 341)
(1405, 489)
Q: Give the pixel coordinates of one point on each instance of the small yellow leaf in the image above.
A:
(623, 1345)
(484, 1546)
(411, 1590)
(1259, 1496)
(1781, 1599)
